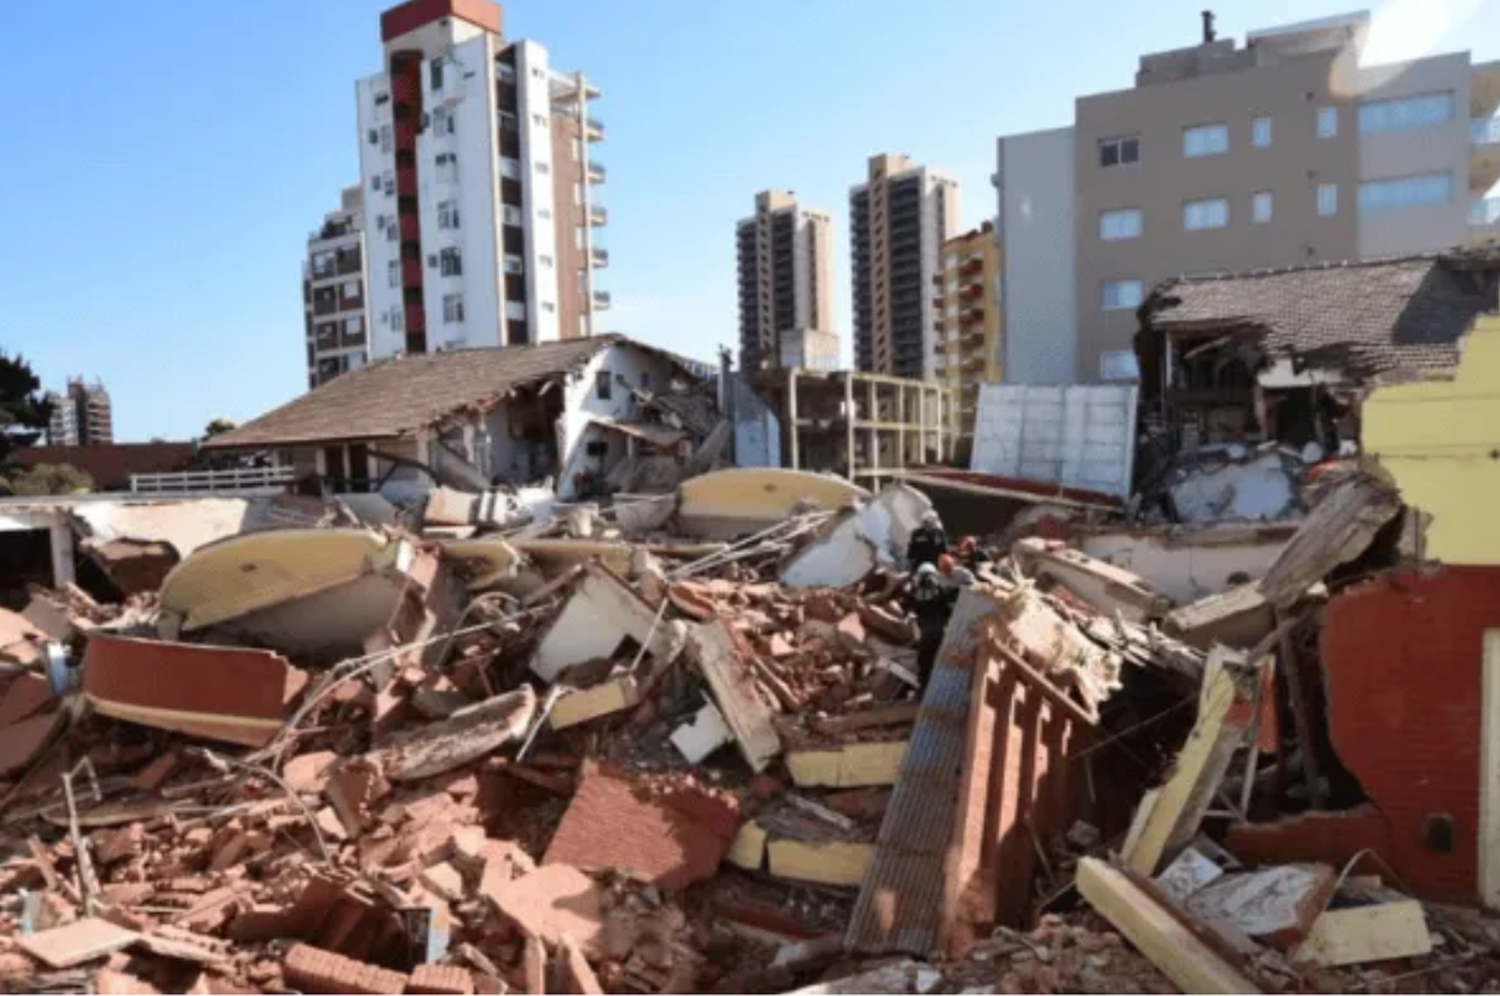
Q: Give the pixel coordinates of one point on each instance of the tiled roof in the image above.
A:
(1366, 318)
(398, 396)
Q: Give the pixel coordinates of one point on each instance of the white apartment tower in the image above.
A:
(333, 292)
(899, 219)
(478, 185)
(785, 257)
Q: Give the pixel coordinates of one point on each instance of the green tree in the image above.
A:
(50, 479)
(218, 427)
(24, 410)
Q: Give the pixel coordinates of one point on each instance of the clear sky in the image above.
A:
(164, 162)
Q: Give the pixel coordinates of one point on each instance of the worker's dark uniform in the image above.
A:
(926, 545)
(932, 603)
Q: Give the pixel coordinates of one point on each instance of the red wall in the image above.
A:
(111, 464)
(1402, 657)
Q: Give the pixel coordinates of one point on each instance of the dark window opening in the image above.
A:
(603, 387)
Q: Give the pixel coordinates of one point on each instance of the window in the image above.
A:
(374, 136)
(548, 306)
(596, 448)
(1124, 223)
(1120, 294)
(513, 264)
(351, 324)
(1260, 207)
(435, 71)
(511, 215)
(1210, 213)
(1328, 199)
(398, 318)
(391, 234)
(350, 288)
(1328, 122)
(1119, 151)
(447, 214)
(443, 121)
(505, 71)
(603, 385)
(385, 138)
(545, 260)
(540, 120)
(538, 74)
(1405, 112)
(388, 182)
(375, 182)
(450, 262)
(1406, 192)
(453, 308)
(393, 273)
(1260, 133)
(507, 121)
(543, 168)
(447, 167)
(544, 213)
(1205, 140)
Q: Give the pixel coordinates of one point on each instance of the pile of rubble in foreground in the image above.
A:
(603, 756)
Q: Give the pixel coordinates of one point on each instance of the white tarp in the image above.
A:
(1080, 436)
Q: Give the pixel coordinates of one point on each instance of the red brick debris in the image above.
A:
(459, 766)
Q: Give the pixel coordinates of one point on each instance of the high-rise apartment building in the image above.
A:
(334, 291)
(480, 210)
(785, 254)
(967, 299)
(1288, 149)
(899, 219)
(82, 415)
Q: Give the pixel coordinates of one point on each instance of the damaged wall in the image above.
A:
(1408, 426)
(1186, 565)
(583, 404)
(1403, 657)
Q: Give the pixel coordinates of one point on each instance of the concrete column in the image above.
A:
(791, 414)
(62, 550)
(901, 431)
(849, 421)
(874, 437)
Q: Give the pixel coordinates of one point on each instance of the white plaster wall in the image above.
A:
(1034, 177)
(534, 115)
(1185, 571)
(380, 296)
(583, 403)
(468, 91)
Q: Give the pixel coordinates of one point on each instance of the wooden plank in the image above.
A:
(1360, 934)
(1170, 946)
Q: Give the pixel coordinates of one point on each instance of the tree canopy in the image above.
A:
(24, 409)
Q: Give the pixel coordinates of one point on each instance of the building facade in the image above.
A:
(899, 219)
(969, 318)
(480, 203)
(785, 257)
(334, 285)
(82, 415)
(1282, 151)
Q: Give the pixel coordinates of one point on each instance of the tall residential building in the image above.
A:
(1285, 150)
(899, 219)
(480, 207)
(967, 299)
(81, 415)
(333, 293)
(785, 254)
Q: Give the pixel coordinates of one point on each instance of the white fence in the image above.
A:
(237, 480)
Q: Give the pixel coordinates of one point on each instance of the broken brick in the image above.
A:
(152, 776)
(111, 846)
(353, 789)
(438, 979)
(314, 970)
(444, 881)
(21, 743)
(308, 773)
(574, 972)
(552, 901)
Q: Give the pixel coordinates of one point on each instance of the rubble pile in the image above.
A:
(558, 748)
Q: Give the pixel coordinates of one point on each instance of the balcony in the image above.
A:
(1484, 154)
(597, 172)
(601, 257)
(1484, 219)
(601, 300)
(594, 129)
(1484, 89)
(598, 215)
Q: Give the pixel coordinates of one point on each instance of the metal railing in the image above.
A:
(241, 480)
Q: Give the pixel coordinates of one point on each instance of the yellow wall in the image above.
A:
(1436, 439)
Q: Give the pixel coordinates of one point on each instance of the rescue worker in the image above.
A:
(932, 603)
(928, 542)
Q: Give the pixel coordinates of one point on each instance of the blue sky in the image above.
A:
(164, 163)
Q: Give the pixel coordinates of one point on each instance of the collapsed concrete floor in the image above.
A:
(682, 745)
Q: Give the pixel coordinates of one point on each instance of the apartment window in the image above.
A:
(511, 215)
(388, 182)
(1406, 112)
(1210, 213)
(450, 263)
(1328, 199)
(374, 136)
(1124, 223)
(1260, 207)
(1205, 140)
(1328, 122)
(391, 234)
(453, 308)
(1121, 294)
(382, 98)
(443, 121)
(538, 74)
(545, 260)
(543, 168)
(385, 138)
(375, 183)
(544, 213)
(1406, 192)
(393, 273)
(1119, 151)
(351, 324)
(398, 319)
(1260, 133)
(505, 71)
(507, 121)
(447, 214)
(435, 71)
(350, 288)
(540, 120)
(447, 167)
(548, 306)
(603, 385)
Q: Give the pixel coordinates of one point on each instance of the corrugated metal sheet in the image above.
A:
(900, 905)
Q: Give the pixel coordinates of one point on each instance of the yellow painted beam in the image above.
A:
(603, 699)
(748, 850)
(827, 864)
(850, 766)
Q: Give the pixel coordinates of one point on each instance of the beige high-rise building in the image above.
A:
(899, 219)
(785, 254)
(1287, 149)
(967, 296)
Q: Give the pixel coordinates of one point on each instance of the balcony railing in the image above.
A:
(248, 480)
(598, 214)
(1485, 131)
(602, 300)
(597, 172)
(601, 256)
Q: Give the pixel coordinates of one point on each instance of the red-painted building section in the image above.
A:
(412, 15)
(1403, 659)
